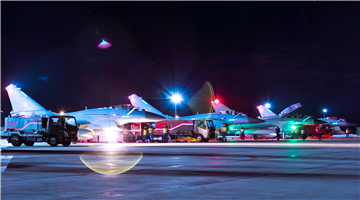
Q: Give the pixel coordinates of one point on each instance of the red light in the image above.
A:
(217, 101)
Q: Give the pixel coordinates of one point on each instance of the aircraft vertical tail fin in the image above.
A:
(218, 107)
(264, 112)
(21, 102)
(138, 102)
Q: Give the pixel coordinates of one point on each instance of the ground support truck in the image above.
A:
(185, 130)
(28, 130)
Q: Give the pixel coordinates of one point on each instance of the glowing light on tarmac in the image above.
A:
(104, 44)
(111, 135)
(112, 162)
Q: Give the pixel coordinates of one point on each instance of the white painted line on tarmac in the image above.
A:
(5, 160)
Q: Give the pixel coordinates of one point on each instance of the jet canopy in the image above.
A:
(290, 109)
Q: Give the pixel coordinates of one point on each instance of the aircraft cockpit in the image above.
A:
(232, 112)
(124, 106)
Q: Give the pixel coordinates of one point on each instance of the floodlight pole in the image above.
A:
(175, 110)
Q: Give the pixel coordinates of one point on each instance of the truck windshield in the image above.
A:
(70, 121)
(55, 121)
(210, 123)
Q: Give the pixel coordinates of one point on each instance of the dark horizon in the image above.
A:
(251, 53)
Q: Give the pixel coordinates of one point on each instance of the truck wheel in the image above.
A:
(66, 143)
(53, 141)
(29, 143)
(200, 138)
(16, 141)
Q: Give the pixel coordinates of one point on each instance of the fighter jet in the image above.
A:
(336, 123)
(270, 120)
(218, 118)
(92, 121)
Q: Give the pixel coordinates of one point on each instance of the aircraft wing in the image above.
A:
(95, 115)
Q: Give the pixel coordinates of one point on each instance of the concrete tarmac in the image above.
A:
(288, 169)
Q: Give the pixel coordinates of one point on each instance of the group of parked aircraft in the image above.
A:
(112, 119)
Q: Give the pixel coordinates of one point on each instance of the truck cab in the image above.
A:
(205, 130)
(28, 130)
(61, 129)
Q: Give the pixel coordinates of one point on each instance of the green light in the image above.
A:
(293, 127)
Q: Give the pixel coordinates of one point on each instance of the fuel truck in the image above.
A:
(52, 129)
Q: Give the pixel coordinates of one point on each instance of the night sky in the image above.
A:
(251, 53)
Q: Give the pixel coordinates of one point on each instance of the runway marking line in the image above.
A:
(5, 160)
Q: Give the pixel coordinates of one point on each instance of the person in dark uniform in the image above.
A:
(242, 130)
(277, 132)
(223, 132)
(319, 132)
(165, 134)
(303, 133)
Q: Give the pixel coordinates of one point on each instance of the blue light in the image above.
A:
(144, 102)
(125, 116)
(267, 105)
(325, 110)
(176, 98)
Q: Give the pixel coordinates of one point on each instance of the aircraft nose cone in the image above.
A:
(153, 116)
(254, 120)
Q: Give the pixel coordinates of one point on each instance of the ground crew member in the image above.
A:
(347, 132)
(151, 130)
(242, 130)
(303, 133)
(145, 134)
(165, 134)
(318, 132)
(223, 132)
(126, 135)
(277, 132)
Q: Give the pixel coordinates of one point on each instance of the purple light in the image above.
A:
(104, 44)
